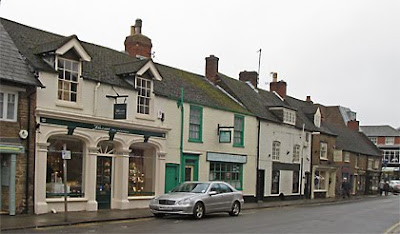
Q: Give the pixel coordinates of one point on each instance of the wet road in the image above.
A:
(363, 216)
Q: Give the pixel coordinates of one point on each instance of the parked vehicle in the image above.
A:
(198, 199)
(394, 186)
(393, 183)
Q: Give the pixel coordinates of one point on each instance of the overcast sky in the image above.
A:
(340, 52)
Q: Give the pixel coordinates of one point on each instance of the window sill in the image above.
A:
(195, 141)
(320, 190)
(238, 146)
(9, 120)
(73, 105)
(145, 117)
(140, 197)
(71, 199)
(324, 159)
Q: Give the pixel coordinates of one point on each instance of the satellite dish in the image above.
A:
(23, 134)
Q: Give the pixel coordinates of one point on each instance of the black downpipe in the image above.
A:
(258, 162)
(28, 158)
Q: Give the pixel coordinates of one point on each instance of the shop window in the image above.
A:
(75, 168)
(141, 173)
(275, 182)
(295, 182)
(319, 180)
(228, 172)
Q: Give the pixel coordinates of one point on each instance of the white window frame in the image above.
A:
(346, 157)
(289, 117)
(4, 116)
(276, 145)
(389, 140)
(68, 82)
(374, 140)
(323, 154)
(296, 153)
(144, 93)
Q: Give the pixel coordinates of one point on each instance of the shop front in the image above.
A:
(109, 168)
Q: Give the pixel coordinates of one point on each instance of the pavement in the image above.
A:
(25, 221)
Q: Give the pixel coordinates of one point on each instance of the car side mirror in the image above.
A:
(211, 193)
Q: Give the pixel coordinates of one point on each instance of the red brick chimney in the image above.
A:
(354, 125)
(137, 44)
(279, 87)
(251, 76)
(308, 99)
(212, 68)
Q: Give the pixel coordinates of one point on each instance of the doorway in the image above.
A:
(103, 183)
(171, 176)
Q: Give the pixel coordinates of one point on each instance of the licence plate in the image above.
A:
(165, 208)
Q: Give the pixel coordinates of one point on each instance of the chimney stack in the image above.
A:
(212, 68)
(277, 86)
(137, 44)
(251, 76)
(308, 99)
(354, 125)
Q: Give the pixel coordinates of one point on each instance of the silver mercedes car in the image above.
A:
(198, 199)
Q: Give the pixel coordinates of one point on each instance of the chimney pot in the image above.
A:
(138, 26)
(308, 98)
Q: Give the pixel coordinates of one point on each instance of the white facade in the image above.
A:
(287, 164)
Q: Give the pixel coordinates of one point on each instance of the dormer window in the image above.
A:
(289, 116)
(144, 95)
(317, 118)
(68, 73)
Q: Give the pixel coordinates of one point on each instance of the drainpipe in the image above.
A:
(95, 98)
(11, 206)
(301, 165)
(182, 166)
(28, 142)
(258, 160)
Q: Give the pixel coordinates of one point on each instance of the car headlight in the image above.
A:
(184, 202)
(154, 200)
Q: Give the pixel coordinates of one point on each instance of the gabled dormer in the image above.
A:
(141, 74)
(286, 115)
(65, 56)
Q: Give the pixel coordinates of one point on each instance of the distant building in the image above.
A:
(387, 139)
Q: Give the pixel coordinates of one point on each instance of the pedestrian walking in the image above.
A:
(381, 184)
(345, 188)
(386, 188)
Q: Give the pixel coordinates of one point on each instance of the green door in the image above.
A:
(171, 176)
(103, 183)
(190, 169)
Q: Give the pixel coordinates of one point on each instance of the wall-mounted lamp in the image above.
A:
(71, 130)
(111, 134)
(146, 138)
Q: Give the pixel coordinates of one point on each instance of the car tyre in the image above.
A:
(198, 210)
(159, 215)
(235, 209)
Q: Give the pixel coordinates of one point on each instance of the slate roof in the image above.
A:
(107, 64)
(259, 101)
(380, 130)
(353, 141)
(13, 67)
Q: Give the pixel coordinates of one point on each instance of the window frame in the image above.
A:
(323, 154)
(226, 169)
(289, 116)
(374, 140)
(296, 153)
(5, 103)
(389, 140)
(148, 88)
(276, 149)
(346, 157)
(65, 81)
(200, 124)
(241, 131)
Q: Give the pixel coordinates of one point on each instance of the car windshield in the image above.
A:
(191, 188)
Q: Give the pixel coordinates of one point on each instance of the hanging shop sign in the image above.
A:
(120, 111)
(225, 136)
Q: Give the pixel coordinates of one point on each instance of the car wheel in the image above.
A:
(158, 215)
(198, 210)
(235, 209)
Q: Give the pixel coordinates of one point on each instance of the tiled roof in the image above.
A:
(353, 141)
(13, 67)
(106, 64)
(380, 130)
